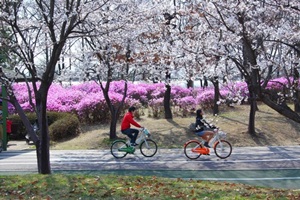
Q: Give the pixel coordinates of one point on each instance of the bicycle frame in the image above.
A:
(147, 146)
(222, 148)
(204, 150)
(143, 135)
(201, 150)
(219, 135)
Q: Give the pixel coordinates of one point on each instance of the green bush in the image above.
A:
(65, 127)
(61, 124)
(18, 129)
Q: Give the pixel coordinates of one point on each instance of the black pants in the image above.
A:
(131, 133)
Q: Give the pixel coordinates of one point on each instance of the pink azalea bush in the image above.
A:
(86, 100)
(156, 107)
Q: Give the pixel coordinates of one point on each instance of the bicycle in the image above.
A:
(148, 147)
(1, 148)
(193, 149)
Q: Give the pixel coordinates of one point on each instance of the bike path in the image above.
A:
(273, 166)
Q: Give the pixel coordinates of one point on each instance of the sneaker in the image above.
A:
(206, 144)
(133, 144)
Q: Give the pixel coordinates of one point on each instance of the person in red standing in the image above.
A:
(126, 125)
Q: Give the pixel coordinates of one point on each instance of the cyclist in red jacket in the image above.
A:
(125, 126)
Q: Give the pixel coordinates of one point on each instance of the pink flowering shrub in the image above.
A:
(205, 97)
(186, 105)
(92, 108)
(86, 100)
(156, 107)
(235, 92)
(87, 87)
(138, 92)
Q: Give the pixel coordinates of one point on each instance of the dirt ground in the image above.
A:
(272, 129)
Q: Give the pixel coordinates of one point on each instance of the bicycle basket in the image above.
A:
(222, 134)
(146, 131)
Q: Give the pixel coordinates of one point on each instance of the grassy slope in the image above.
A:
(66, 187)
(272, 130)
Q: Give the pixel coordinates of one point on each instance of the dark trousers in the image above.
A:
(131, 133)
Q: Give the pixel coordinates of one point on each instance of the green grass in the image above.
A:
(67, 186)
(272, 129)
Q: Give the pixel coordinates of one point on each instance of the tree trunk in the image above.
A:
(283, 109)
(297, 101)
(113, 124)
(114, 109)
(190, 83)
(251, 126)
(167, 106)
(215, 82)
(296, 91)
(113, 129)
(44, 144)
(29, 129)
(254, 89)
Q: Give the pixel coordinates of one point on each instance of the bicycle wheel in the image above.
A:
(116, 147)
(148, 148)
(223, 149)
(188, 149)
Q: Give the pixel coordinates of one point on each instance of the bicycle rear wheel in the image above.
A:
(188, 149)
(223, 149)
(116, 149)
(148, 148)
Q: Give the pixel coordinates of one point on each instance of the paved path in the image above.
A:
(257, 164)
(242, 158)
(14, 145)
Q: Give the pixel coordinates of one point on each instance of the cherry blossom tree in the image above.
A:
(39, 31)
(111, 51)
(247, 33)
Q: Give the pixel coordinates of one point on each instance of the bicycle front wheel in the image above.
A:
(148, 148)
(189, 146)
(118, 149)
(223, 149)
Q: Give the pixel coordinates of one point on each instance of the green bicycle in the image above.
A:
(148, 148)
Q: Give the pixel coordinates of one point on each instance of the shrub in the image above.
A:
(186, 105)
(86, 100)
(19, 131)
(65, 127)
(156, 107)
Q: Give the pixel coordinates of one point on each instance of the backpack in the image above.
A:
(192, 127)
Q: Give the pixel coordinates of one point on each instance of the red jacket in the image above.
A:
(127, 120)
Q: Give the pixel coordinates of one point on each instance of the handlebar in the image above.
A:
(145, 130)
(209, 125)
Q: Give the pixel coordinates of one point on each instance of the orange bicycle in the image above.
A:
(193, 149)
